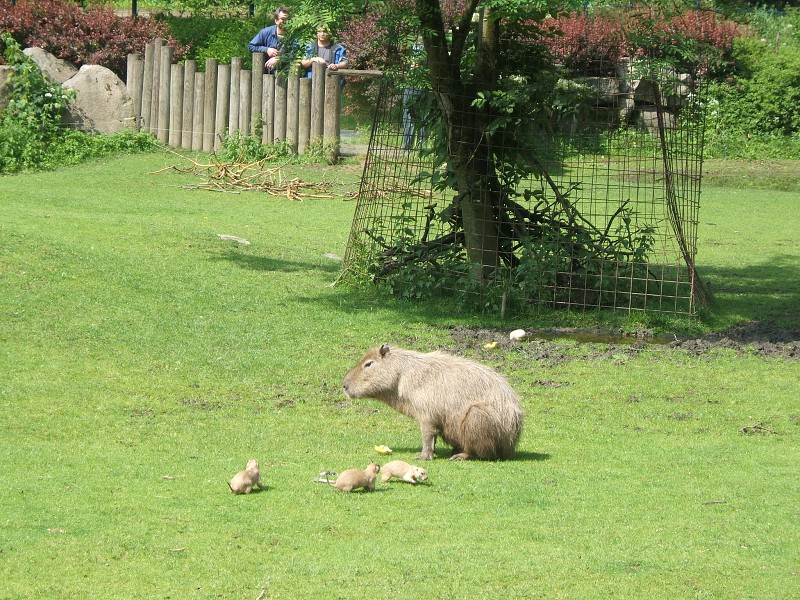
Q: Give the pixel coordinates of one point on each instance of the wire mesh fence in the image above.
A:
(602, 214)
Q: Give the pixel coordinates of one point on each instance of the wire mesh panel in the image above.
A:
(602, 213)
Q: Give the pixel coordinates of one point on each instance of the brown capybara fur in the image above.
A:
(352, 479)
(244, 481)
(403, 470)
(470, 406)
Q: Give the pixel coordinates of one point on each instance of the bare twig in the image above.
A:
(238, 176)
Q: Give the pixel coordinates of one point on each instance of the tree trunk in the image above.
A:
(474, 173)
(468, 151)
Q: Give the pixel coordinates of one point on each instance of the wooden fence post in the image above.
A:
(154, 105)
(164, 100)
(236, 77)
(223, 104)
(292, 111)
(268, 133)
(256, 116)
(332, 129)
(210, 104)
(317, 101)
(135, 78)
(280, 108)
(245, 88)
(147, 82)
(197, 117)
(304, 118)
(132, 58)
(189, 72)
(176, 106)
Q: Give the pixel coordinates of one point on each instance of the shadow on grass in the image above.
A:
(254, 491)
(267, 264)
(534, 456)
(443, 454)
(768, 291)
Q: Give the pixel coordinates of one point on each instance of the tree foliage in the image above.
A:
(500, 88)
(95, 35)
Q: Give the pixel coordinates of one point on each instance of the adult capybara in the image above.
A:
(470, 406)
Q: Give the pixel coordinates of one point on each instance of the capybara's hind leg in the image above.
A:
(459, 453)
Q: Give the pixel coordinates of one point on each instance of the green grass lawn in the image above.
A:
(749, 250)
(143, 360)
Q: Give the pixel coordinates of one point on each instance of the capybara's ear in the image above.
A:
(384, 350)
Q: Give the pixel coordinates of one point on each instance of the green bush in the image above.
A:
(773, 27)
(31, 134)
(213, 37)
(759, 106)
(92, 36)
(30, 124)
(228, 42)
(249, 149)
(75, 147)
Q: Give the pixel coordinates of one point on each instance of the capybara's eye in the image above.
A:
(368, 364)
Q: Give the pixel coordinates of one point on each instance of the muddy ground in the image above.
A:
(754, 337)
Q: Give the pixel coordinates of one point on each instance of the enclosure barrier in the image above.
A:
(605, 214)
(194, 110)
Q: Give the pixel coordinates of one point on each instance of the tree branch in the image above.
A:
(462, 29)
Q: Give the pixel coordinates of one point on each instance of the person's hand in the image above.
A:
(272, 52)
(333, 67)
(270, 64)
(318, 59)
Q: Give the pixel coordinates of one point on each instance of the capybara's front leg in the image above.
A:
(428, 441)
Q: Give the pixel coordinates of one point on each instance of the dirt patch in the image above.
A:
(468, 338)
(762, 338)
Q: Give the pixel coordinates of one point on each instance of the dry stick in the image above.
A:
(428, 220)
(756, 428)
(233, 177)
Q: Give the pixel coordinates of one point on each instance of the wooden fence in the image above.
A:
(194, 110)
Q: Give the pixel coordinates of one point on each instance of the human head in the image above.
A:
(281, 15)
(323, 33)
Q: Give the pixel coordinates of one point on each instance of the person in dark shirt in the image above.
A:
(270, 40)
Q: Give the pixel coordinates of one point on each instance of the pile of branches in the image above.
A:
(239, 176)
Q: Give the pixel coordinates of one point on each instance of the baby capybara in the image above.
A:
(352, 479)
(403, 470)
(244, 481)
(470, 406)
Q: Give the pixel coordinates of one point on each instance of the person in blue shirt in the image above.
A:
(270, 40)
(415, 103)
(325, 51)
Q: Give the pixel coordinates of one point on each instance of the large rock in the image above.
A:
(649, 118)
(55, 69)
(5, 86)
(102, 103)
